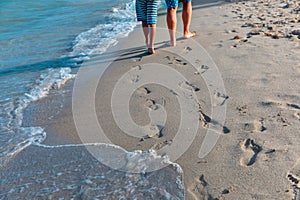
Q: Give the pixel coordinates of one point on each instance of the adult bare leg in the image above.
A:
(172, 23)
(186, 18)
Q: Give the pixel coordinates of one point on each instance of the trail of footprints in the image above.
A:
(251, 149)
(156, 131)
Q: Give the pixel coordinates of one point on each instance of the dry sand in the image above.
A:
(255, 47)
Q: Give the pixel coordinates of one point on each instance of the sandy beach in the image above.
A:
(232, 92)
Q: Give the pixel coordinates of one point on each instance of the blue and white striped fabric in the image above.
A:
(146, 11)
(174, 3)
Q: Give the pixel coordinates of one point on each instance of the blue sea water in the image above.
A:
(42, 43)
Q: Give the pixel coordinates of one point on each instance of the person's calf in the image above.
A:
(172, 23)
(146, 32)
(152, 34)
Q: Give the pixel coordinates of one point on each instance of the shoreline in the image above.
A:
(259, 141)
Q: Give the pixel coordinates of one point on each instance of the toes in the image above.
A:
(190, 34)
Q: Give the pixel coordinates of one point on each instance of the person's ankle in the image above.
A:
(185, 33)
(151, 51)
(173, 43)
(147, 43)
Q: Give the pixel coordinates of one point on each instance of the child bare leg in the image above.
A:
(152, 34)
(146, 12)
(146, 33)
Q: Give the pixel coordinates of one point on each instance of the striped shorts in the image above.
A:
(146, 11)
(174, 3)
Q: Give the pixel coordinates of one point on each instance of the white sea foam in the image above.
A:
(98, 39)
(15, 137)
(99, 182)
(137, 161)
(133, 178)
(50, 79)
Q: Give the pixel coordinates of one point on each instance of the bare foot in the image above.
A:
(190, 34)
(151, 51)
(171, 43)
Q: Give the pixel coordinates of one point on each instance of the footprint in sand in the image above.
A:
(187, 49)
(281, 118)
(153, 131)
(188, 86)
(256, 126)
(294, 177)
(201, 69)
(251, 151)
(206, 121)
(242, 109)
(143, 91)
(229, 190)
(160, 145)
(180, 62)
(294, 174)
(158, 117)
(198, 189)
(218, 45)
(134, 74)
(220, 99)
(176, 61)
(134, 78)
(151, 104)
(204, 68)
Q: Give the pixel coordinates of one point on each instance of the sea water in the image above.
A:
(41, 43)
